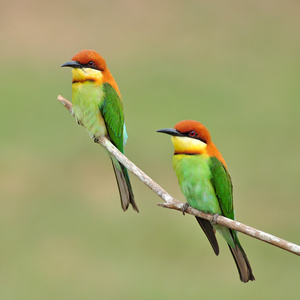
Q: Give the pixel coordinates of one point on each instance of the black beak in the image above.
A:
(72, 64)
(170, 131)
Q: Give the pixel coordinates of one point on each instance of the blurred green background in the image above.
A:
(232, 65)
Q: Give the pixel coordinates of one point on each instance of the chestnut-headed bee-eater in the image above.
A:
(205, 182)
(98, 106)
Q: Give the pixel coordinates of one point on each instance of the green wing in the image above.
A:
(112, 112)
(222, 185)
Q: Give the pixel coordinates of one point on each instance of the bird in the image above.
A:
(206, 184)
(98, 106)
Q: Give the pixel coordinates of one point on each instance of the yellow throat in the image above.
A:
(87, 74)
(188, 145)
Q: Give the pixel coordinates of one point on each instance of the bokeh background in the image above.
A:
(233, 65)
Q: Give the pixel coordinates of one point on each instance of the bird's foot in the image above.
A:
(78, 122)
(96, 140)
(214, 219)
(184, 208)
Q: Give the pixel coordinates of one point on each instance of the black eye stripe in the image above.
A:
(196, 137)
(89, 66)
(94, 66)
(202, 140)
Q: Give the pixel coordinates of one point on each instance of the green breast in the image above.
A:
(194, 178)
(87, 97)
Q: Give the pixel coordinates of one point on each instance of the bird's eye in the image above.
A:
(91, 64)
(192, 133)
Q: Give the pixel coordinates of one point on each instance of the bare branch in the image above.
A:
(172, 203)
(260, 235)
(68, 105)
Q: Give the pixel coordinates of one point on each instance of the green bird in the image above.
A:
(98, 106)
(205, 182)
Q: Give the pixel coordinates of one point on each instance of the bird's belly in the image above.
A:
(203, 198)
(194, 180)
(87, 113)
(91, 119)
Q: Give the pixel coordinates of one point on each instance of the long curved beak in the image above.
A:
(72, 64)
(170, 131)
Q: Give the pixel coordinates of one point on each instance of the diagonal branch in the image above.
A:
(172, 203)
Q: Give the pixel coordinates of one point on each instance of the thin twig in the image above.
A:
(172, 203)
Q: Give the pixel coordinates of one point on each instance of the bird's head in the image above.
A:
(189, 137)
(192, 137)
(89, 59)
(88, 65)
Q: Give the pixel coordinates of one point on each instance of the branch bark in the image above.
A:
(173, 203)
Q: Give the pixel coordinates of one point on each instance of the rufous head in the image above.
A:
(89, 59)
(88, 65)
(192, 137)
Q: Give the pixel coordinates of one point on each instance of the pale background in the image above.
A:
(233, 65)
